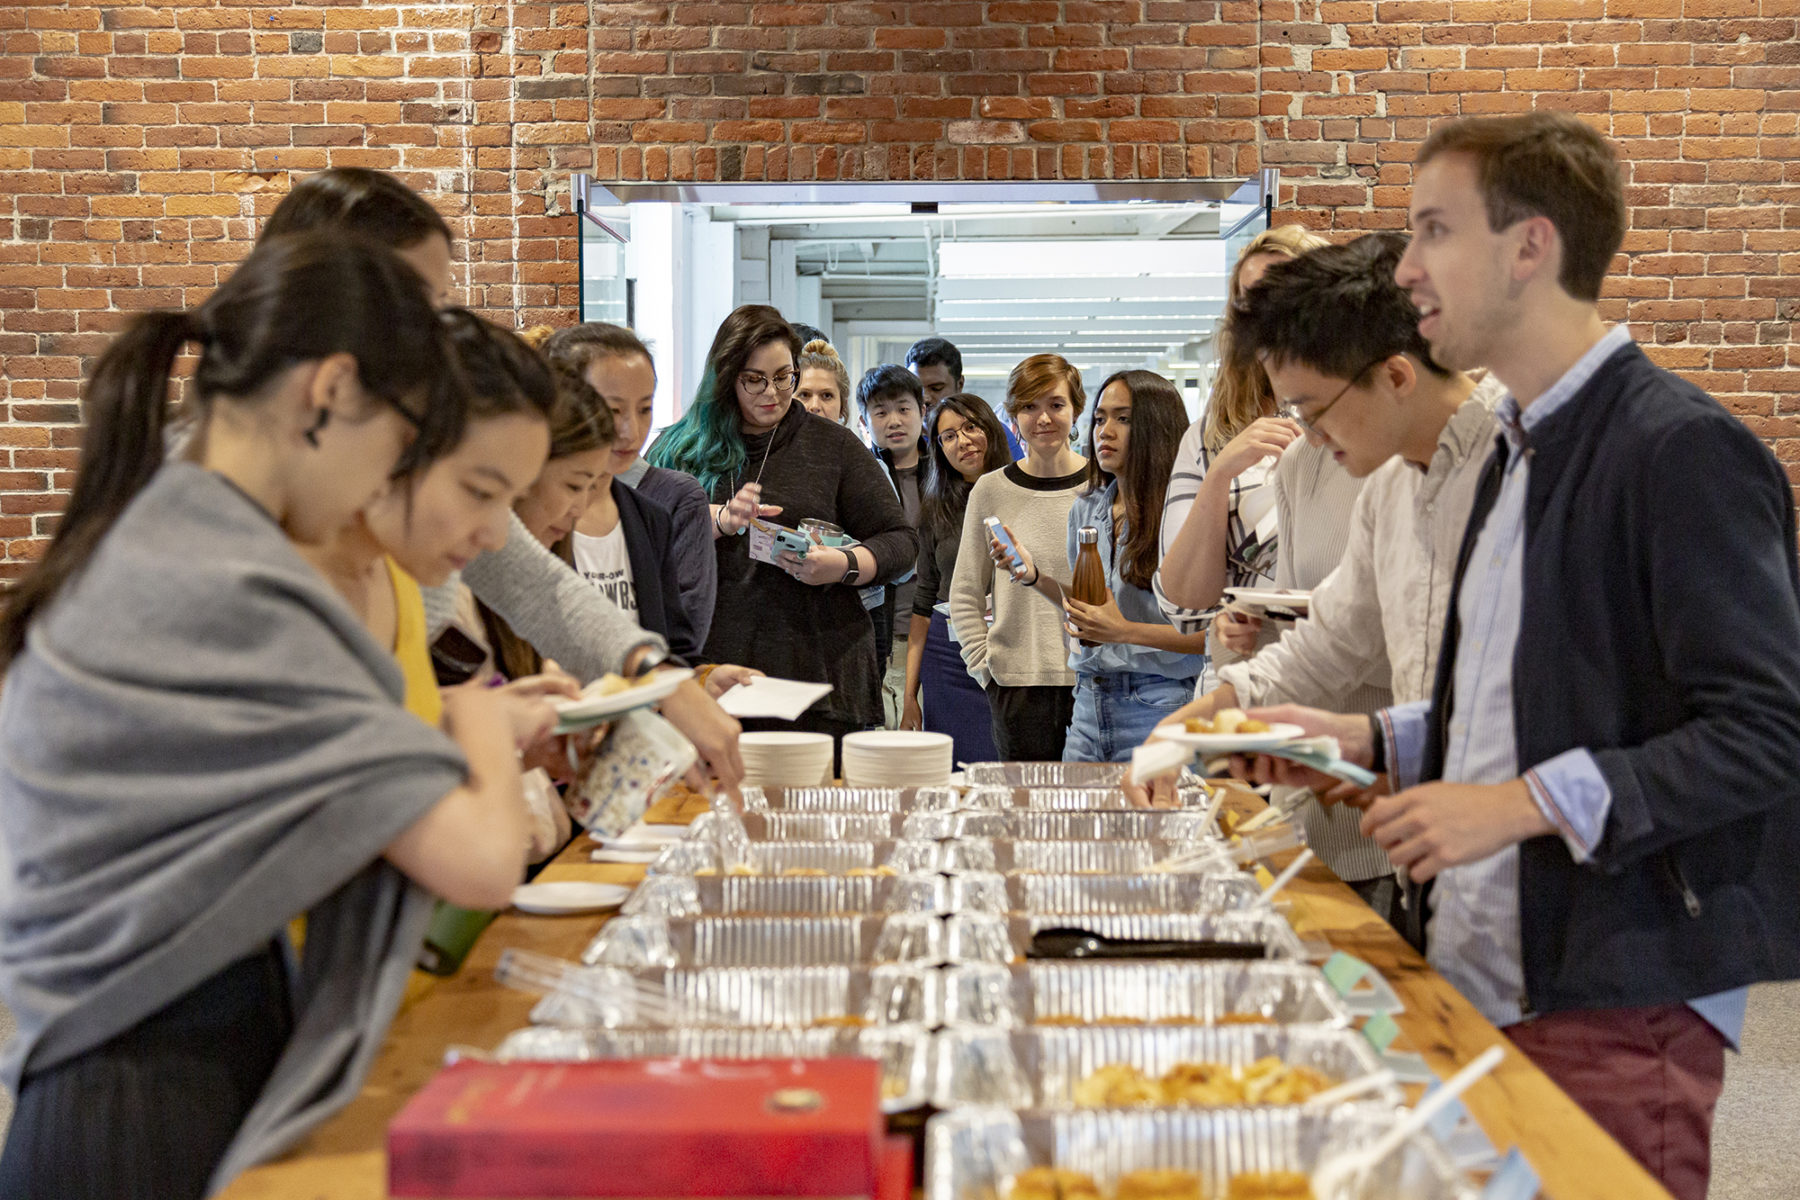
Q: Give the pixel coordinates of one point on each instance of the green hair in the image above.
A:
(706, 442)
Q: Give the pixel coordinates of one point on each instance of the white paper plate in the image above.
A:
(608, 855)
(1231, 743)
(1291, 599)
(568, 896)
(578, 714)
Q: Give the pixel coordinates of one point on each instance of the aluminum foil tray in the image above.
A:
(980, 937)
(832, 827)
(1067, 799)
(1008, 856)
(1040, 1067)
(974, 1153)
(641, 942)
(816, 895)
(902, 1049)
(1136, 824)
(1055, 774)
(693, 857)
(763, 997)
(1099, 992)
(849, 799)
(1223, 890)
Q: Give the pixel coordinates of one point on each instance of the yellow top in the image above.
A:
(411, 648)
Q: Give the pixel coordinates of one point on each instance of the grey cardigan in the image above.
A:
(199, 742)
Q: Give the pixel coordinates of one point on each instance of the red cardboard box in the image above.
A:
(642, 1128)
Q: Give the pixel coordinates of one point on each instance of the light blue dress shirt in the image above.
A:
(1135, 603)
(1474, 939)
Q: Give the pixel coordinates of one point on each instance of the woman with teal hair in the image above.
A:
(764, 459)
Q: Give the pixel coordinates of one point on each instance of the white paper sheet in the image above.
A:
(781, 699)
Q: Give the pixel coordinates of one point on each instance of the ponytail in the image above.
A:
(296, 299)
(126, 402)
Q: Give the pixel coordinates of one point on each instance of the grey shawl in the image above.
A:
(199, 743)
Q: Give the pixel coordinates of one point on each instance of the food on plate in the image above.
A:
(607, 685)
(1117, 1085)
(883, 871)
(1269, 1185)
(1268, 1080)
(1226, 720)
(1159, 1184)
(1053, 1183)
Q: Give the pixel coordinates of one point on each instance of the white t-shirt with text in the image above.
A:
(604, 562)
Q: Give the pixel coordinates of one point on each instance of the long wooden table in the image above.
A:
(1516, 1105)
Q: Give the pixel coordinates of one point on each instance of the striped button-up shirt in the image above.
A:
(1474, 939)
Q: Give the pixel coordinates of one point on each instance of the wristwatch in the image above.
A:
(652, 659)
(855, 572)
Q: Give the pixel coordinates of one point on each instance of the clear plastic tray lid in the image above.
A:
(976, 1153)
(903, 1050)
(832, 827)
(1129, 993)
(1042, 1066)
(1220, 889)
(982, 937)
(850, 799)
(1054, 774)
(1174, 825)
(818, 997)
(1069, 857)
(702, 857)
(817, 895)
(1069, 799)
(643, 942)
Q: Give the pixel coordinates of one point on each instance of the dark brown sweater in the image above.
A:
(767, 619)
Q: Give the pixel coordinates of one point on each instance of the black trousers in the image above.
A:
(150, 1113)
(1030, 723)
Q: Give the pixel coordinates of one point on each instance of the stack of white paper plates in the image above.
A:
(786, 759)
(898, 758)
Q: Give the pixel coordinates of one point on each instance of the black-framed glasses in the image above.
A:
(755, 383)
(1311, 424)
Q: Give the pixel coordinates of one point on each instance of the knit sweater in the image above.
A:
(1026, 646)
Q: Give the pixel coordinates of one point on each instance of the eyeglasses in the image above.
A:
(1311, 424)
(949, 437)
(755, 383)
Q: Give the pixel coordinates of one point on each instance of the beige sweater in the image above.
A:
(1025, 647)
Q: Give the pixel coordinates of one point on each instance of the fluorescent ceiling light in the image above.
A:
(1111, 258)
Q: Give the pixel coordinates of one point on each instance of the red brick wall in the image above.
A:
(139, 146)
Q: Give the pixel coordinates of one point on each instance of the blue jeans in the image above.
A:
(1115, 713)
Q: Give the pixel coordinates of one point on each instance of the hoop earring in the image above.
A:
(312, 435)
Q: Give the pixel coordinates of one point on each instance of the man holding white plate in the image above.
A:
(1339, 340)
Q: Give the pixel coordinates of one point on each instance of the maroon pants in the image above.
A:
(1649, 1076)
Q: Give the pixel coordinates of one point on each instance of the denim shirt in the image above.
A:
(1474, 939)
(1136, 603)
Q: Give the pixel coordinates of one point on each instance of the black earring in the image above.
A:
(312, 435)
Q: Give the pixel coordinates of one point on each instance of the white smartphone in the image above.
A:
(999, 534)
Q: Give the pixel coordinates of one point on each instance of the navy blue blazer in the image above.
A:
(1660, 630)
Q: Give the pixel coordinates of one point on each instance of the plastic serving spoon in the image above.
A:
(1343, 1176)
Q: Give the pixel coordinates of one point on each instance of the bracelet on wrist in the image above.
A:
(1377, 746)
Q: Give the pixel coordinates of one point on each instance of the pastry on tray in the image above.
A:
(1159, 1184)
(1268, 1080)
(1117, 1085)
(1053, 1183)
(1269, 1185)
